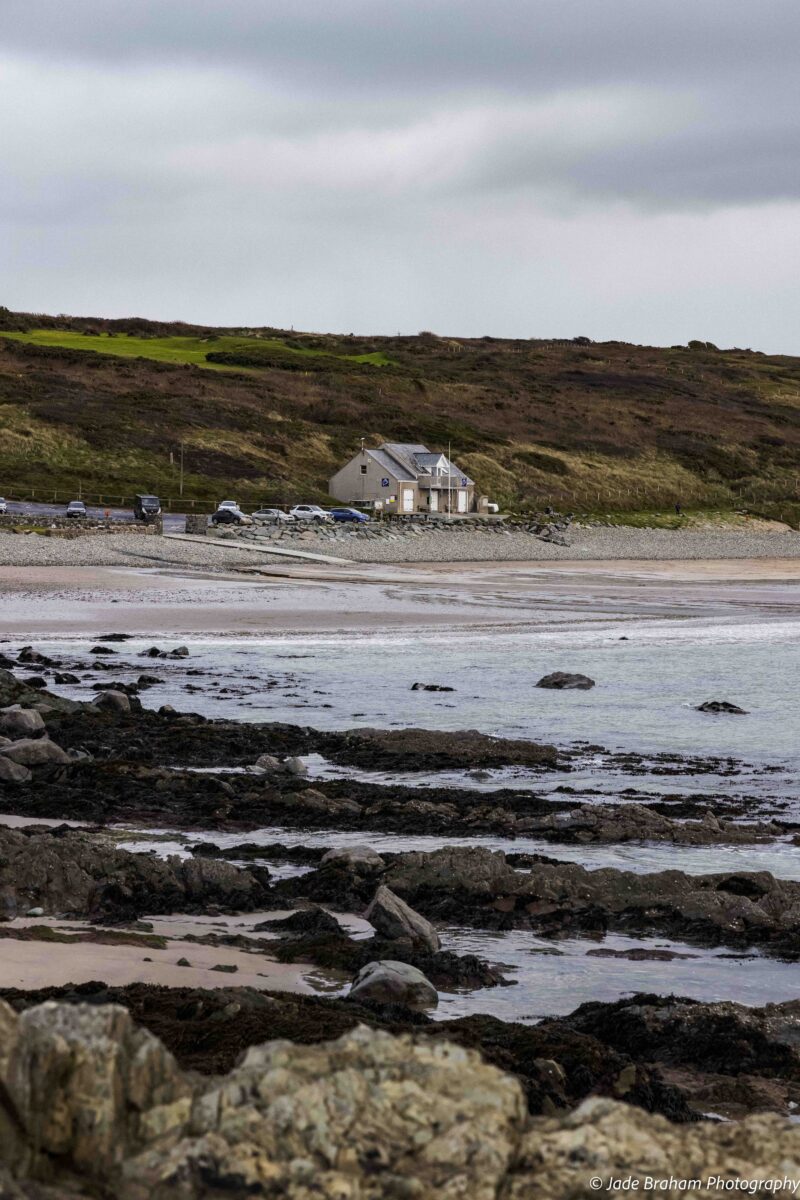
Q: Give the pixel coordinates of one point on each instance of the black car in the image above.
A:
(229, 516)
(146, 508)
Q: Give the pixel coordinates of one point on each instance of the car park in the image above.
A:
(271, 516)
(309, 512)
(76, 508)
(348, 514)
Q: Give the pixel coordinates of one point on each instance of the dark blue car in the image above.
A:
(347, 514)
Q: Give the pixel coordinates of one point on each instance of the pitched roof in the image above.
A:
(391, 465)
(417, 460)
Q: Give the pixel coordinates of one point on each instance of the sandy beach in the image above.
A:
(44, 963)
(73, 600)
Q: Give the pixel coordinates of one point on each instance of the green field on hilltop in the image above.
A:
(187, 350)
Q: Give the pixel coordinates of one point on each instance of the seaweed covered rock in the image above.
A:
(564, 681)
(68, 871)
(722, 706)
(431, 749)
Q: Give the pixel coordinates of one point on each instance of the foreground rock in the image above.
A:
(603, 1140)
(65, 871)
(388, 982)
(367, 1117)
(292, 1121)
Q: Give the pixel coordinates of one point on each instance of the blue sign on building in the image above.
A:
(385, 481)
(463, 481)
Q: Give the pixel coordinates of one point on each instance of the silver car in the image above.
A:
(271, 516)
(309, 512)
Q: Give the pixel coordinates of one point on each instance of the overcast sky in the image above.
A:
(613, 168)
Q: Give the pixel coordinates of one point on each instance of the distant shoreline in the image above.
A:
(586, 544)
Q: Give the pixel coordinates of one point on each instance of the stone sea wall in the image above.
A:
(62, 526)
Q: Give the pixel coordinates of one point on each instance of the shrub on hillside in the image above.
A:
(542, 462)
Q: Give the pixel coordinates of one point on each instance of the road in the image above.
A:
(173, 522)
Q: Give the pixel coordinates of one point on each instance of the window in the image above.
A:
(363, 468)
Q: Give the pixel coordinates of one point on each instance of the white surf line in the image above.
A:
(323, 558)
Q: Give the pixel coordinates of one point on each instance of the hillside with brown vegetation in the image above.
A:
(267, 414)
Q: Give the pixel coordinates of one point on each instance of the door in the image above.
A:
(433, 502)
(462, 500)
(408, 499)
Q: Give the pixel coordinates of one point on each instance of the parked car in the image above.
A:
(228, 515)
(3, 505)
(76, 508)
(146, 508)
(229, 504)
(308, 512)
(348, 514)
(272, 516)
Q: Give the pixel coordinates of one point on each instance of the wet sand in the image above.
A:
(37, 964)
(71, 601)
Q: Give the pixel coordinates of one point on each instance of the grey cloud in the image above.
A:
(702, 163)
(433, 45)
(453, 164)
(309, 66)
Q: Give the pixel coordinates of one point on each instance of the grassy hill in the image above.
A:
(268, 414)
